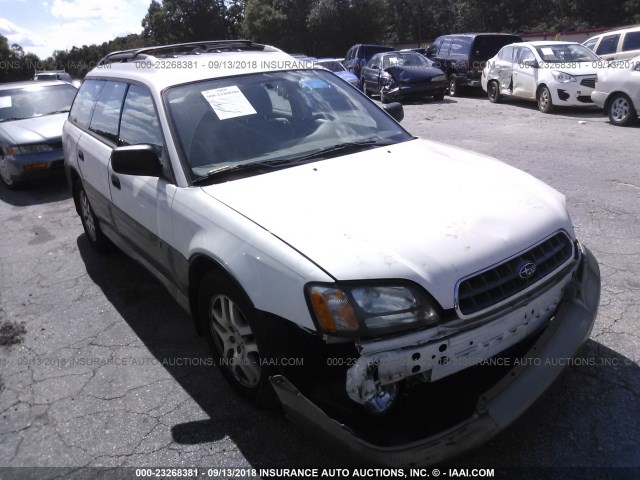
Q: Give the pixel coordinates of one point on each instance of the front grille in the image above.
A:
(589, 82)
(56, 146)
(491, 287)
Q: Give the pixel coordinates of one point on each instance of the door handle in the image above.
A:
(115, 181)
(81, 156)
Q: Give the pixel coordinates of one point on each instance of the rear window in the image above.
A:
(608, 44)
(369, 51)
(486, 46)
(631, 41)
(461, 46)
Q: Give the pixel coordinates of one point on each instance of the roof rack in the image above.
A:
(189, 48)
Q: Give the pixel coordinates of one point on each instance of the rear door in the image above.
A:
(525, 73)
(142, 205)
(95, 145)
(608, 46)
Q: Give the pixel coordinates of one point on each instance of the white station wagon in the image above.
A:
(338, 265)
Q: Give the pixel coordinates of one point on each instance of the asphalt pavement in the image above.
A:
(100, 367)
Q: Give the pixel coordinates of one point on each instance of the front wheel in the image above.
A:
(5, 176)
(439, 96)
(237, 339)
(621, 111)
(97, 239)
(453, 87)
(493, 92)
(545, 103)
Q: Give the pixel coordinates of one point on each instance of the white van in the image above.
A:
(617, 44)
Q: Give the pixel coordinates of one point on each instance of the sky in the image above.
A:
(42, 26)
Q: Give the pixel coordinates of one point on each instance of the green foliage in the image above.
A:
(326, 27)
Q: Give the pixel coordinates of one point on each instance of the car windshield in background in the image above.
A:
(332, 65)
(281, 117)
(370, 51)
(405, 60)
(35, 101)
(566, 53)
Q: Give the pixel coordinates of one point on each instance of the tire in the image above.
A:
(237, 339)
(98, 241)
(453, 87)
(545, 103)
(493, 92)
(439, 96)
(383, 96)
(621, 111)
(8, 182)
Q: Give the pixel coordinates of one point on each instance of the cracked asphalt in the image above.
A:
(100, 366)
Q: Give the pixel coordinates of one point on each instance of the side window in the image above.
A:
(444, 48)
(506, 54)
(608, 44)
(374, 62)
(107, 113)
(461, 46)
(526, 55)
(139, 123)
(631, 41)
(590, 44)
(85, 101)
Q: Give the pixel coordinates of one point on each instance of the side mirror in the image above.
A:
(396, 110)
(140, 160)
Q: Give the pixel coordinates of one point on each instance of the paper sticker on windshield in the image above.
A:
(5, 102)
(228, 102)
(548, 52)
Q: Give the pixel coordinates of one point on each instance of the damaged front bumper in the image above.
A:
(496, 408)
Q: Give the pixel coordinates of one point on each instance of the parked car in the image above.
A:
(617, 91)
(622, 44)
(551, 73)
(398, 75)
(462, 57)
(334, 261)
(31, 119)
(358, 56)
(48, 75)
(336, 67)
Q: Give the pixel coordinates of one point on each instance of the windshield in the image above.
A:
(405, 60)
(565, 53)
(35, 101)
(332, 65)
(272, 117)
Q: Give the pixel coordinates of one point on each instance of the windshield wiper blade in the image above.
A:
(289, 161)
(342, 147)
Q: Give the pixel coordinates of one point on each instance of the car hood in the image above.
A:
(409, 75)
(45, 129)
(347, 76)
(418, 210)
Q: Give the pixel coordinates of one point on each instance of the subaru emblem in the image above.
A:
(527, 270)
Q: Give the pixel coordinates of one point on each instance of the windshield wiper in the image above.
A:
(342, 147)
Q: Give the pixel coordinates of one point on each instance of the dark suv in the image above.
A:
(462, 57)
(358, 56)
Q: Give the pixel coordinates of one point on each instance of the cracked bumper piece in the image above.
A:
(496, 408)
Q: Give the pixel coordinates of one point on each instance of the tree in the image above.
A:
(282, 23)
(176, 21)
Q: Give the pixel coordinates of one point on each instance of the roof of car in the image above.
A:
(31, 83)
(619, 30)
(543, 43)
(169, 65)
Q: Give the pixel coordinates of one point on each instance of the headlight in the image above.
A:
(562, 77)
(357, 310)
(33, 149)
(439, 78)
